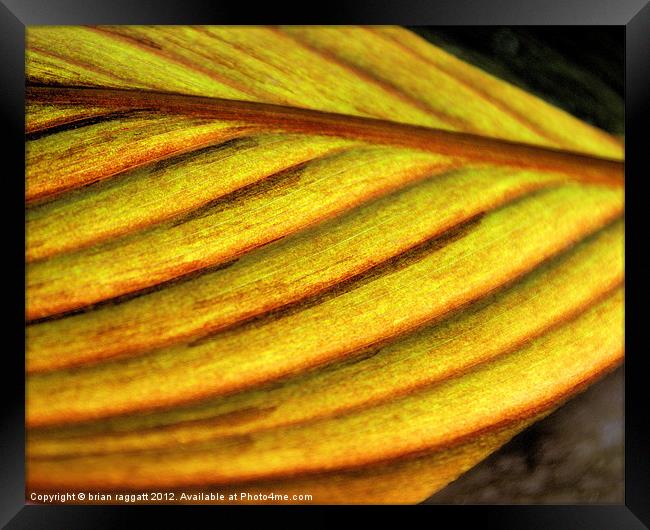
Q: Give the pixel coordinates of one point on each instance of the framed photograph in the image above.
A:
(374, 257)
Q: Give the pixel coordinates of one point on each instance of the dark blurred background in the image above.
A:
(577, 68)
(575, 455)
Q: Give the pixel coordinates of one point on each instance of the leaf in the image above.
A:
(283, 274)
(408, 361)
(432, 419)
(325, 259)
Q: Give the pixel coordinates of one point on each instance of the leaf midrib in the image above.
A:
(278, 118)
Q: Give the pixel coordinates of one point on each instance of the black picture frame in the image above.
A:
(15, 15)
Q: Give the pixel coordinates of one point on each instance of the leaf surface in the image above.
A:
(425, 357)
(334, 259)
(432, 419)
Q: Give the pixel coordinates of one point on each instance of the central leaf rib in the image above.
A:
(276, 118)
